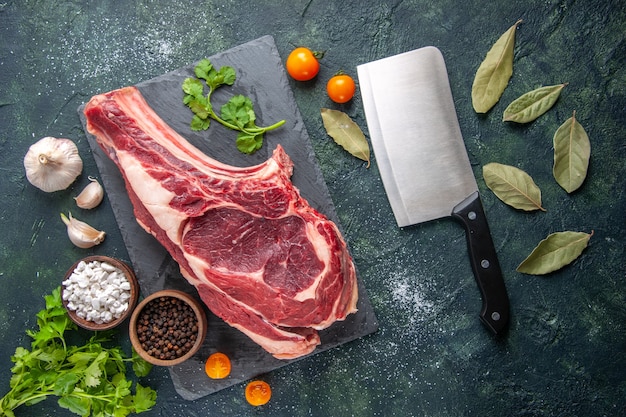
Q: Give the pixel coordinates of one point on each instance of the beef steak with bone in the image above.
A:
(260, 257)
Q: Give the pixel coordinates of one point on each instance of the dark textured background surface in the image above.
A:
(565, 353)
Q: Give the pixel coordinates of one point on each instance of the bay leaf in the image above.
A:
(513, 186)
(571, 154)
(494, 72)
(531, 105)
(554, 252)
(346, 133)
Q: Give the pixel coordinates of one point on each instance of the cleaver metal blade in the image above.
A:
(423, 162)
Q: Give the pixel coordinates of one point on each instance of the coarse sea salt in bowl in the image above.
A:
(99, 292)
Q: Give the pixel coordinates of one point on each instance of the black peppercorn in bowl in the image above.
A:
(167, 327)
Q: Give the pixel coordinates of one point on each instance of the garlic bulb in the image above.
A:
(81, 234)
(52, 164)
(91, 195)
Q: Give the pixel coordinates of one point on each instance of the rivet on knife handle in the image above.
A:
(495, 309)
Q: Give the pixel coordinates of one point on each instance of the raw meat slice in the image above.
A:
(260, 256)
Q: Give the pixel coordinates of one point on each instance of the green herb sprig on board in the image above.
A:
(237, 114)
(89, 380)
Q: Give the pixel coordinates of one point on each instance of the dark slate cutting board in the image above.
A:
(260, 76)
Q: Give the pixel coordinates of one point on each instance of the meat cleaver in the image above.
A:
(423, 163)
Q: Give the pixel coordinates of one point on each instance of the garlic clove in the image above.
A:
(81, 234)
(91, 195)
(52, 164)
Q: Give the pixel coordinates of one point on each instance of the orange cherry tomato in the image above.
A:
(217, 366)
(258, 393)
(341, 88)
(302, 64)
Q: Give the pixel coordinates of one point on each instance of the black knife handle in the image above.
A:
(495, 309)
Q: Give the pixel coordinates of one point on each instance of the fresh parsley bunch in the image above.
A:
(89, 380)
(237, 114)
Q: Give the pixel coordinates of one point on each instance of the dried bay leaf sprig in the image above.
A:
(494, 72)
(572, 151)
(513, 186)
(554, 252)
(346, 133)
(531, 105)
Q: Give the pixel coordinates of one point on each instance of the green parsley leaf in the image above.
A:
(53, 301)
(194, 88)
(144, 399)
(247, 143)
(237, 114)
(94, 370)
(65, 384)
(224, 76)
(89, 380)
(122, 386)
(203, 68)
(200, 108)
(197, 123)
(228, 75)
(140, 366)
(51, 356)
(80, 359)
(77, 405)
(238, 111)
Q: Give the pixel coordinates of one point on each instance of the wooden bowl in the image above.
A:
(132, 301)
(156, 297)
